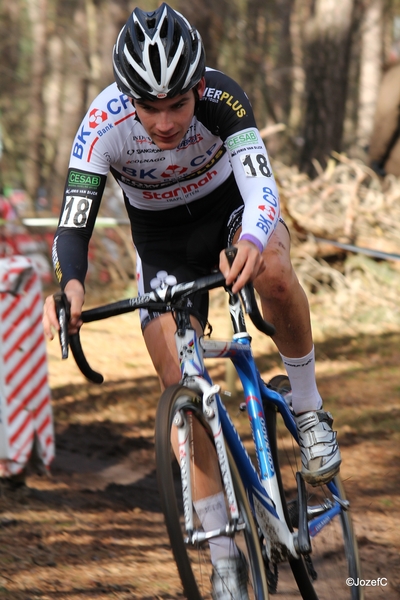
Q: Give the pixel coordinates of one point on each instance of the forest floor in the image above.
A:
(93, 528)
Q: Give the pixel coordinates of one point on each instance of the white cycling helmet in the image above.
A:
(158, 54)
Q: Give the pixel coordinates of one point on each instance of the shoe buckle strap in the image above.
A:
(311, 438)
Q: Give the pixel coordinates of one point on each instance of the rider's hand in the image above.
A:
(76, 295)
(248, 263)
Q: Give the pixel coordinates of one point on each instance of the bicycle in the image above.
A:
(283, 527)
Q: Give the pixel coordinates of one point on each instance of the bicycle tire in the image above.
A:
(334, 559)
(194, 565)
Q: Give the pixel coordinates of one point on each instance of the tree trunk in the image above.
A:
(328, 39)
(370, 69)
(93, 39)
(299, 17)
(37, 10)
(284, 65)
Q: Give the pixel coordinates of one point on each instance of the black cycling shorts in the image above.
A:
(185, 241)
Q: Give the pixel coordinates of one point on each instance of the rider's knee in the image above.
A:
(277, 281)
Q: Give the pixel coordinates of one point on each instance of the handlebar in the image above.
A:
(161, 300)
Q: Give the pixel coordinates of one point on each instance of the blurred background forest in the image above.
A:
(312, 70)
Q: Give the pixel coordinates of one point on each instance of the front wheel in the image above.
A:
(332, 566)
(194, 563)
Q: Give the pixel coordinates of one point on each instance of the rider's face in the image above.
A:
(167, 120)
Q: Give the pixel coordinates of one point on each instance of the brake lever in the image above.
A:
(249, 300)
(245, 292)
(63, 310)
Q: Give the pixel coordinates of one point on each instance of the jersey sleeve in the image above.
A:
(230, 115)
(89, 166)
(81, 202)
(256, 183)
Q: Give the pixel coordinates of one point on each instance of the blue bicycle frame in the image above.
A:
(261, 487)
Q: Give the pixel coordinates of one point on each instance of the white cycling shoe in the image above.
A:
(320, 454)
(229, 579)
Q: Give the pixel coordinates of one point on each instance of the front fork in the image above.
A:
(193, 373)
(183, 422)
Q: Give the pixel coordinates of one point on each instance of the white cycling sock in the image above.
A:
(301, 373)
(213, 515)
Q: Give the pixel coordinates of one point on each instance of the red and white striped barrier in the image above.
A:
(25, 404)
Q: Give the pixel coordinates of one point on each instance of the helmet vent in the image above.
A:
(151, 23)
(139, 33)
(178, 71)
(174, 45)
(164, 29)
(131, 49)
(155, 62)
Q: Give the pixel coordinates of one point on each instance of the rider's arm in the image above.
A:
(234, 121)
(82, 197)
(91, 156)
(70, 247)
(254, 177)
(258, 189)
(81, 202)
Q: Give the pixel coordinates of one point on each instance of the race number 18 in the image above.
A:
(256, 165)
(76, 211)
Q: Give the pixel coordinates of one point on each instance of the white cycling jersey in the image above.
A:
(222, 139)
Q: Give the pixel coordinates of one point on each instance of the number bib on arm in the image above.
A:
(256, 165)
(76, 211)
(257, 186)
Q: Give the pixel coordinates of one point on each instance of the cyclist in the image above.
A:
(182, 142)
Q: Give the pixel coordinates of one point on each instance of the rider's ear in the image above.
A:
(200, 87)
